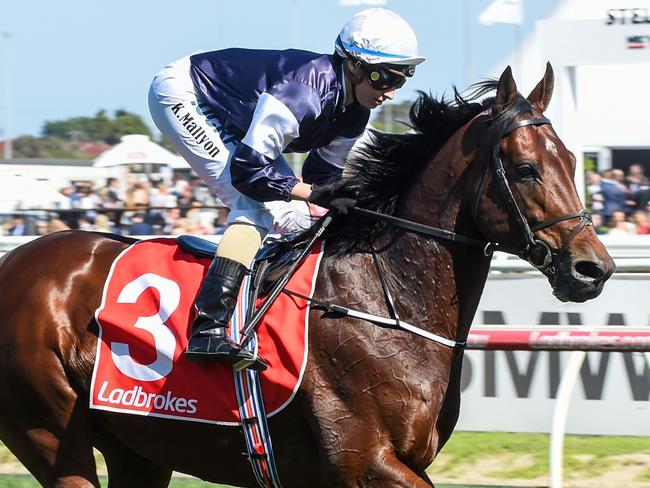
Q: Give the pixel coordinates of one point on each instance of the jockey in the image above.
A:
(232, 113)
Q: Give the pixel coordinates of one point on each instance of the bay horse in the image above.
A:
(376, 404)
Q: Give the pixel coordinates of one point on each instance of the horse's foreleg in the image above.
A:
(387, 471)
(450, 408)
(127, 469)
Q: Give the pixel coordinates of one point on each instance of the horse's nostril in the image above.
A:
(590, 269)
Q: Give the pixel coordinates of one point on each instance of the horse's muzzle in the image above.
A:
(579, 280)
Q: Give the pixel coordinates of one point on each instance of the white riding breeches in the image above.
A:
(180, 113)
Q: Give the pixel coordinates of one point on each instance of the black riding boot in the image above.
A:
(215, 304)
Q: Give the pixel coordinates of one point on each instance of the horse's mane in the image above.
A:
(382, 168)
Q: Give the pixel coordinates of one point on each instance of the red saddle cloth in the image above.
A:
(144, 320)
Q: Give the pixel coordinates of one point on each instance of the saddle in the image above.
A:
(144, 371)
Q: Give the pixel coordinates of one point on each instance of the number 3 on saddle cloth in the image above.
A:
(144, 322)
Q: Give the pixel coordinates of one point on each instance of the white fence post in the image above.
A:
(565, 391)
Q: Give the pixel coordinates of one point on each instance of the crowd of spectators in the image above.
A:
(619, 201)
(145, 207)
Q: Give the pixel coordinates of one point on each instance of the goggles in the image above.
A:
(382, 79)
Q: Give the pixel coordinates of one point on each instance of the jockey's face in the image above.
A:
(370, 97)
(372, 84)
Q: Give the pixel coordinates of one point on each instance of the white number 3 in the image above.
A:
(164, 340)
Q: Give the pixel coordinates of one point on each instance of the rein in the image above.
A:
(428, 231)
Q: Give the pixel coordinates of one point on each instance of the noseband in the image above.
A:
(537, 252)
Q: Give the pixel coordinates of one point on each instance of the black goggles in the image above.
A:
(381, 78)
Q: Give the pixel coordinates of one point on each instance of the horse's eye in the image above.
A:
(527, 171)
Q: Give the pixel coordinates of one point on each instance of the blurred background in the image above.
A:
(78, 150)
(75, 77)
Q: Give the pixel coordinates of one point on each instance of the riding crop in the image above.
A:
(248, 330)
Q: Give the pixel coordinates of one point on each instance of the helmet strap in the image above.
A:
(354, 77)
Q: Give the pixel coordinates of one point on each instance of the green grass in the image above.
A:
(502, 457)
(526, 456)
(26, 481)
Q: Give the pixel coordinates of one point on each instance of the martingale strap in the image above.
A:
(251, 403)
(334, 310)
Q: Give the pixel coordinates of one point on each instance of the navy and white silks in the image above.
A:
(232, 113)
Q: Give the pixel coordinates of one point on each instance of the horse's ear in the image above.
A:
(506, 90)
(541, 94)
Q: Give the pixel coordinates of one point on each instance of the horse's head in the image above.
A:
(528, 199)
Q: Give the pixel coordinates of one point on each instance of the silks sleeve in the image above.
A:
(276, 122)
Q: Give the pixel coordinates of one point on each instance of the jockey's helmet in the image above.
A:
(379, 36)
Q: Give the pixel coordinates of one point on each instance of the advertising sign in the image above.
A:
(515, 390)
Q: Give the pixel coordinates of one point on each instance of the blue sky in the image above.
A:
(74, 57)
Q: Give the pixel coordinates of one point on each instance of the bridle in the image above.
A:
(531, 246)
(532, 249)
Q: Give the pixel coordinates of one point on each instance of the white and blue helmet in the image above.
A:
(378, 36)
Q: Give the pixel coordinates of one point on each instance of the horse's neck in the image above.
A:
(436, 198)
(436, 286)
(441, 281)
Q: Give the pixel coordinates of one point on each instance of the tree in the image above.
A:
(126, 123)
(99, 128)
(35, 147)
